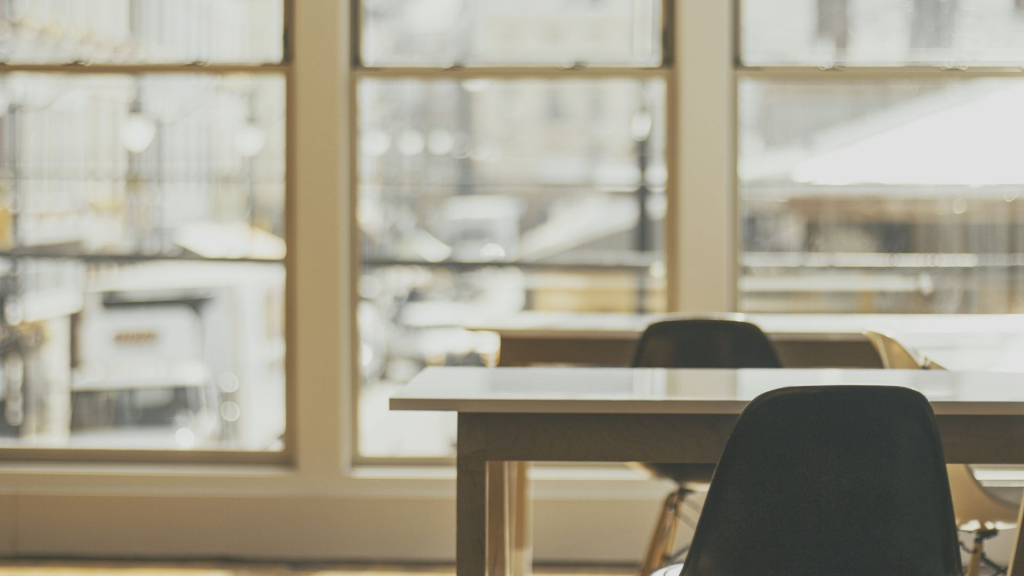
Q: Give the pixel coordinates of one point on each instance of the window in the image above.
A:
(182, 510)
(511, 157)
(142, 191)
(929, 33)
(484, 33)
(142, 32)
(878, 156)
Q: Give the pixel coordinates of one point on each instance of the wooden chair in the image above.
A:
(977, 510)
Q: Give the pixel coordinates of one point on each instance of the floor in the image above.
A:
(96, 568)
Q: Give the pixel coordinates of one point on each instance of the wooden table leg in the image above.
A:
(499, 517)
(471, 514)
(1017, 555)
(521, 518)
(509, 528)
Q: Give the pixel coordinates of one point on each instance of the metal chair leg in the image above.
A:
(660, 548)
(673, 525)
(978, 551)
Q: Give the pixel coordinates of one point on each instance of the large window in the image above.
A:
(511, 157)
(142, 190)
(879, 156)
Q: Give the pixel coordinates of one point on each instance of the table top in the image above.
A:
(661, 391)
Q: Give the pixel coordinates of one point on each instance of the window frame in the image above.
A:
(63, 508)
(835, 73)
(667, 71)
(162, 510)
(285, 70)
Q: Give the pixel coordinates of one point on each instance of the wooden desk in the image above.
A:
(653, 415)
(960, 342)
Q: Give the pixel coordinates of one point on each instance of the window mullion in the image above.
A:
(134, 69)
(510, 72)
(702, 255)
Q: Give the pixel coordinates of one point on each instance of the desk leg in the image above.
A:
(499, 519)
(471, 515)
(1017, 556)
(521, 519)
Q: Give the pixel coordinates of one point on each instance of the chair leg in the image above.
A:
(974, 565)
(673, 525)
(521, 526)
(660, 547)
(498, 533)
(978, 551)
(1016, 567)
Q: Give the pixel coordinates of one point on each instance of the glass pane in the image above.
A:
(485, 198)
(141, 31)
(150, 355)
(885, 196)
(116, 192)
(183, 166)
(480, 32)
(883, 32)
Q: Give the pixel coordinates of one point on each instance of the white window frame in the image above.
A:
(316, 505)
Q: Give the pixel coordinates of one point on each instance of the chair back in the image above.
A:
(975, 506)
(893, 353)
(836, 480)
(705, 343)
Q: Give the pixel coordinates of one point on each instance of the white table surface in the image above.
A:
(660, 391)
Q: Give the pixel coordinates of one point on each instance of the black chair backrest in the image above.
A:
(831, 480)
(705, 343)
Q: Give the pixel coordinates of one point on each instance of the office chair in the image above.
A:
(705, 343)
(694, 343)
(977, 510)
(838, 480)
(894, 354)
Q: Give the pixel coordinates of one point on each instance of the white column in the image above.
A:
(321, 248)
(704, 268)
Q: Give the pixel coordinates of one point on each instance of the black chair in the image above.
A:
(838, 480)
(694, 343)
(705, 343)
